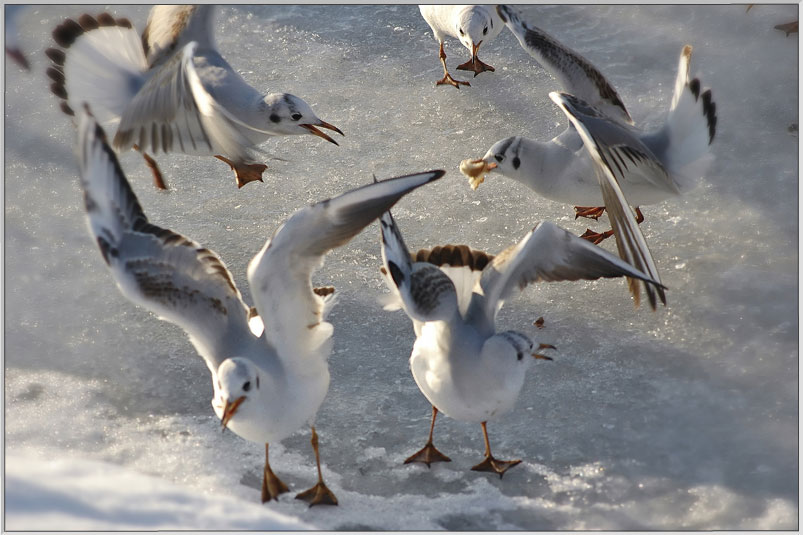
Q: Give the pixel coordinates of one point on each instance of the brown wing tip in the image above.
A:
(455, 256)
(323, 291)
(67, 32)
(686, 53)
(55, 55)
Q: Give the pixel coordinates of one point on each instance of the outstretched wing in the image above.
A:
(576, 74)
(171, 27)
(174, 112)
(170, 275)
(280, 274)
(424, 291)
(611, 147)
(547, 253)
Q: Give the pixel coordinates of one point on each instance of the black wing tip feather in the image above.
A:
(505, 12)
(710, 112)
(99, 137)
(436, 174)
(709, 106)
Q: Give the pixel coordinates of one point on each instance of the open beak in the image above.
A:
(323, 124)
(229, 409)
(490, 165)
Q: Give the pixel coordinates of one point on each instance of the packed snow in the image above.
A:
(683, 418)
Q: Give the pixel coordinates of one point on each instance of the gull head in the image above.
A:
(237, 380)
(505, 156)
(472, 26)
(502, 157)
(289, 115)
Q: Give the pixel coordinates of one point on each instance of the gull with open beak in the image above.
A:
(452, 294)
(269, 363)
(601, 162)
(471, 24)
(171, 90)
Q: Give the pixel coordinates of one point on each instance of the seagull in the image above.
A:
(472, 25)
(633, 167)
(13, 51)
(268, 364)
(462, 365)
(171, 90)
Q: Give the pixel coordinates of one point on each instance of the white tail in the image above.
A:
(103, 65)
(689, 129)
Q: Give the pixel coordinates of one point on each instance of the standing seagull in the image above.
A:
(269, 374)
(171, 90)
(464, 367)
(472, 25)
(640, 167)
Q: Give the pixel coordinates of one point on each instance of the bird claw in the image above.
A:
(476, 65)
(490, 464)
(318, 495)
(448, 80)
(427, 455)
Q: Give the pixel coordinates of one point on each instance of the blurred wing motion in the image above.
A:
(548, 253)
(280, 274)
(174, 112)
(576, 74)
(170, 275)
(611, 146)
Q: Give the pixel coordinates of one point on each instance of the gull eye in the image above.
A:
(516, 162)
(462, 32)
(296, 116)
(499, 157)
(247, 386)
(485, 31)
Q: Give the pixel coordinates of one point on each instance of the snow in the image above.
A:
(684, 418)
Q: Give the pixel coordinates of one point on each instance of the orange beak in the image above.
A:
(318, 133)
(490, 165)
(474, 50)
(229, 409)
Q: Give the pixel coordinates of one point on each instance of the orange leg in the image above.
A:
(272, 486)
(158, 179)
(474, 64)
(244, 172)
(429, 453)
(491, 464)
(320, 493)
(447, 78)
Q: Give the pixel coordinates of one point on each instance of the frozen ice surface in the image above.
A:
(685, 418)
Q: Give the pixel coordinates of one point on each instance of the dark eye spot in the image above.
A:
(275, 118)
(247, 386)
(461, 32)
(257, 382)
(499, 157)
(516, 162)
(485, 31)
(296, 116)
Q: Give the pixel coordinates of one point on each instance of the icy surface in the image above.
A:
(685, 418)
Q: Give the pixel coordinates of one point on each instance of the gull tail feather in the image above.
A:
(689, 129)
(101, 62)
